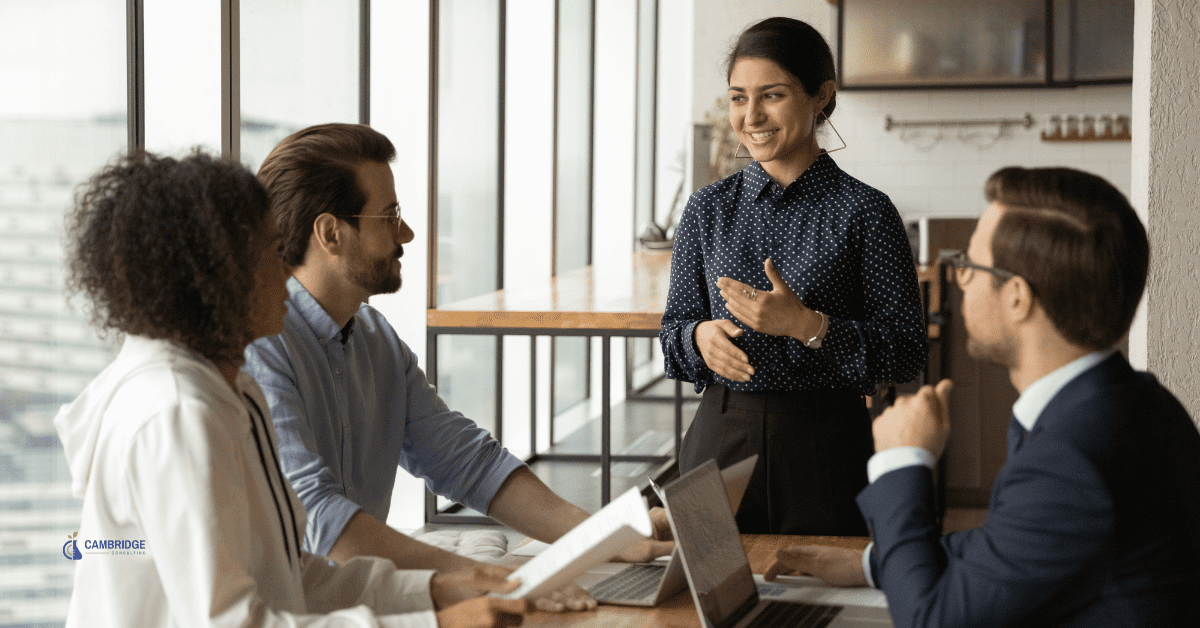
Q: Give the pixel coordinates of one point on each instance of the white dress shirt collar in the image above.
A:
(1030, 404)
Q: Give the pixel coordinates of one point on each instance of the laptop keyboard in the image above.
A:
(794, 615)
(634, 583)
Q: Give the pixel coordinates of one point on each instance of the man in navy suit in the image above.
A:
(1095, 518)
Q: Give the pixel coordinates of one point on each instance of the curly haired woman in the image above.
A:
(171, 446)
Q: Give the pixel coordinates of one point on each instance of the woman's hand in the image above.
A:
(777, 312)
(482, 612)
(838, 566)
(455, 587)
(714, 339)
(448, 589)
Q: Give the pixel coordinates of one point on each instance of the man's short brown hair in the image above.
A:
(312, 172)
(1078, 243)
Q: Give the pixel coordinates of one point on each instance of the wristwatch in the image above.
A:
(815, 341)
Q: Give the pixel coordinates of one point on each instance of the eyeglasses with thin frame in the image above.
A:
(394, 220)
(964, 268)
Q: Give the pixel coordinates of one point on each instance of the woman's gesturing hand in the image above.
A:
(777, 312)
(714, 339)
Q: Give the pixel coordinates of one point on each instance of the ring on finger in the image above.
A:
(753, 294)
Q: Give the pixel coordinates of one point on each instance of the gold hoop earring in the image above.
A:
(835, 132)
(737, 153)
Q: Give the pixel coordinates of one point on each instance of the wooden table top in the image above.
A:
(628, 298)
(679, 611)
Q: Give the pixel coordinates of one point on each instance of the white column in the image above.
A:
(400, 110)
(528, 196)
(1165, 189)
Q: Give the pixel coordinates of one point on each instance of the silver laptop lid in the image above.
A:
(707, 539)
(737, 477)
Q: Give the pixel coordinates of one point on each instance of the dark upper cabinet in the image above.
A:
(1093, 41)
(898, 44)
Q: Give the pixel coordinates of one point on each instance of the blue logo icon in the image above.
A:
(70, 549)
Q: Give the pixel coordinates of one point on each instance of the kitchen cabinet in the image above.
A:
(909, 44)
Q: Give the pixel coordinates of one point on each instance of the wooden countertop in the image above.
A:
(679, 611)
(629, 298)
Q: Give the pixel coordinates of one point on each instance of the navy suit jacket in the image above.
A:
(1093, 521)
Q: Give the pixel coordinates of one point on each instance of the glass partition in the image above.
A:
(468, 149)
(468, 202)
(573, 184)
(62, 117)
(299, 67)
(182, 59)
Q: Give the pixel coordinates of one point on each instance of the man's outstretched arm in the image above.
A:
(525, 504)
(365, 535)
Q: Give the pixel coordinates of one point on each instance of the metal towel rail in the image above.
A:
(889, 123)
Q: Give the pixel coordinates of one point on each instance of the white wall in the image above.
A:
(1166, 160)
(400, 110)
(528, 198)
(947, 179)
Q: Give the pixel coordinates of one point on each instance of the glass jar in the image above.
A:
(1121, 127)
(1088, 130)
(1054, 129)
(1072, 127)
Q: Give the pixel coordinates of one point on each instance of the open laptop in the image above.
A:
(718, 572)
(648, 584)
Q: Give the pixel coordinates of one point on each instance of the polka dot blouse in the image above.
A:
(839, 244)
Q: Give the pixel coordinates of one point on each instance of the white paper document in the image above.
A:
(624, 521)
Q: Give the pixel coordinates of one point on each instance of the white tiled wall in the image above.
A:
(947, 178)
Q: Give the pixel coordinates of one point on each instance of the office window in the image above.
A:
(62, 116)
(468, 194)
(468, 148)
(642, 349)
(299, 67)
(182, 60)
(573, 187)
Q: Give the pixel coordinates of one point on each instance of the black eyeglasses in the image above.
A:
(965, 269)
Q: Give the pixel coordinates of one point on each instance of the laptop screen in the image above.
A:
(707, 537)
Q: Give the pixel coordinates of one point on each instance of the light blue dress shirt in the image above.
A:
(348, 414)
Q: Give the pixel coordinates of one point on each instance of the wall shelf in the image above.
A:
(1114, 138)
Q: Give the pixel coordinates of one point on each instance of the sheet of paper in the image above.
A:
(815, 591)
(624, 521)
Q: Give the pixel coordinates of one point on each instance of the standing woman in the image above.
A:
(793, 294)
